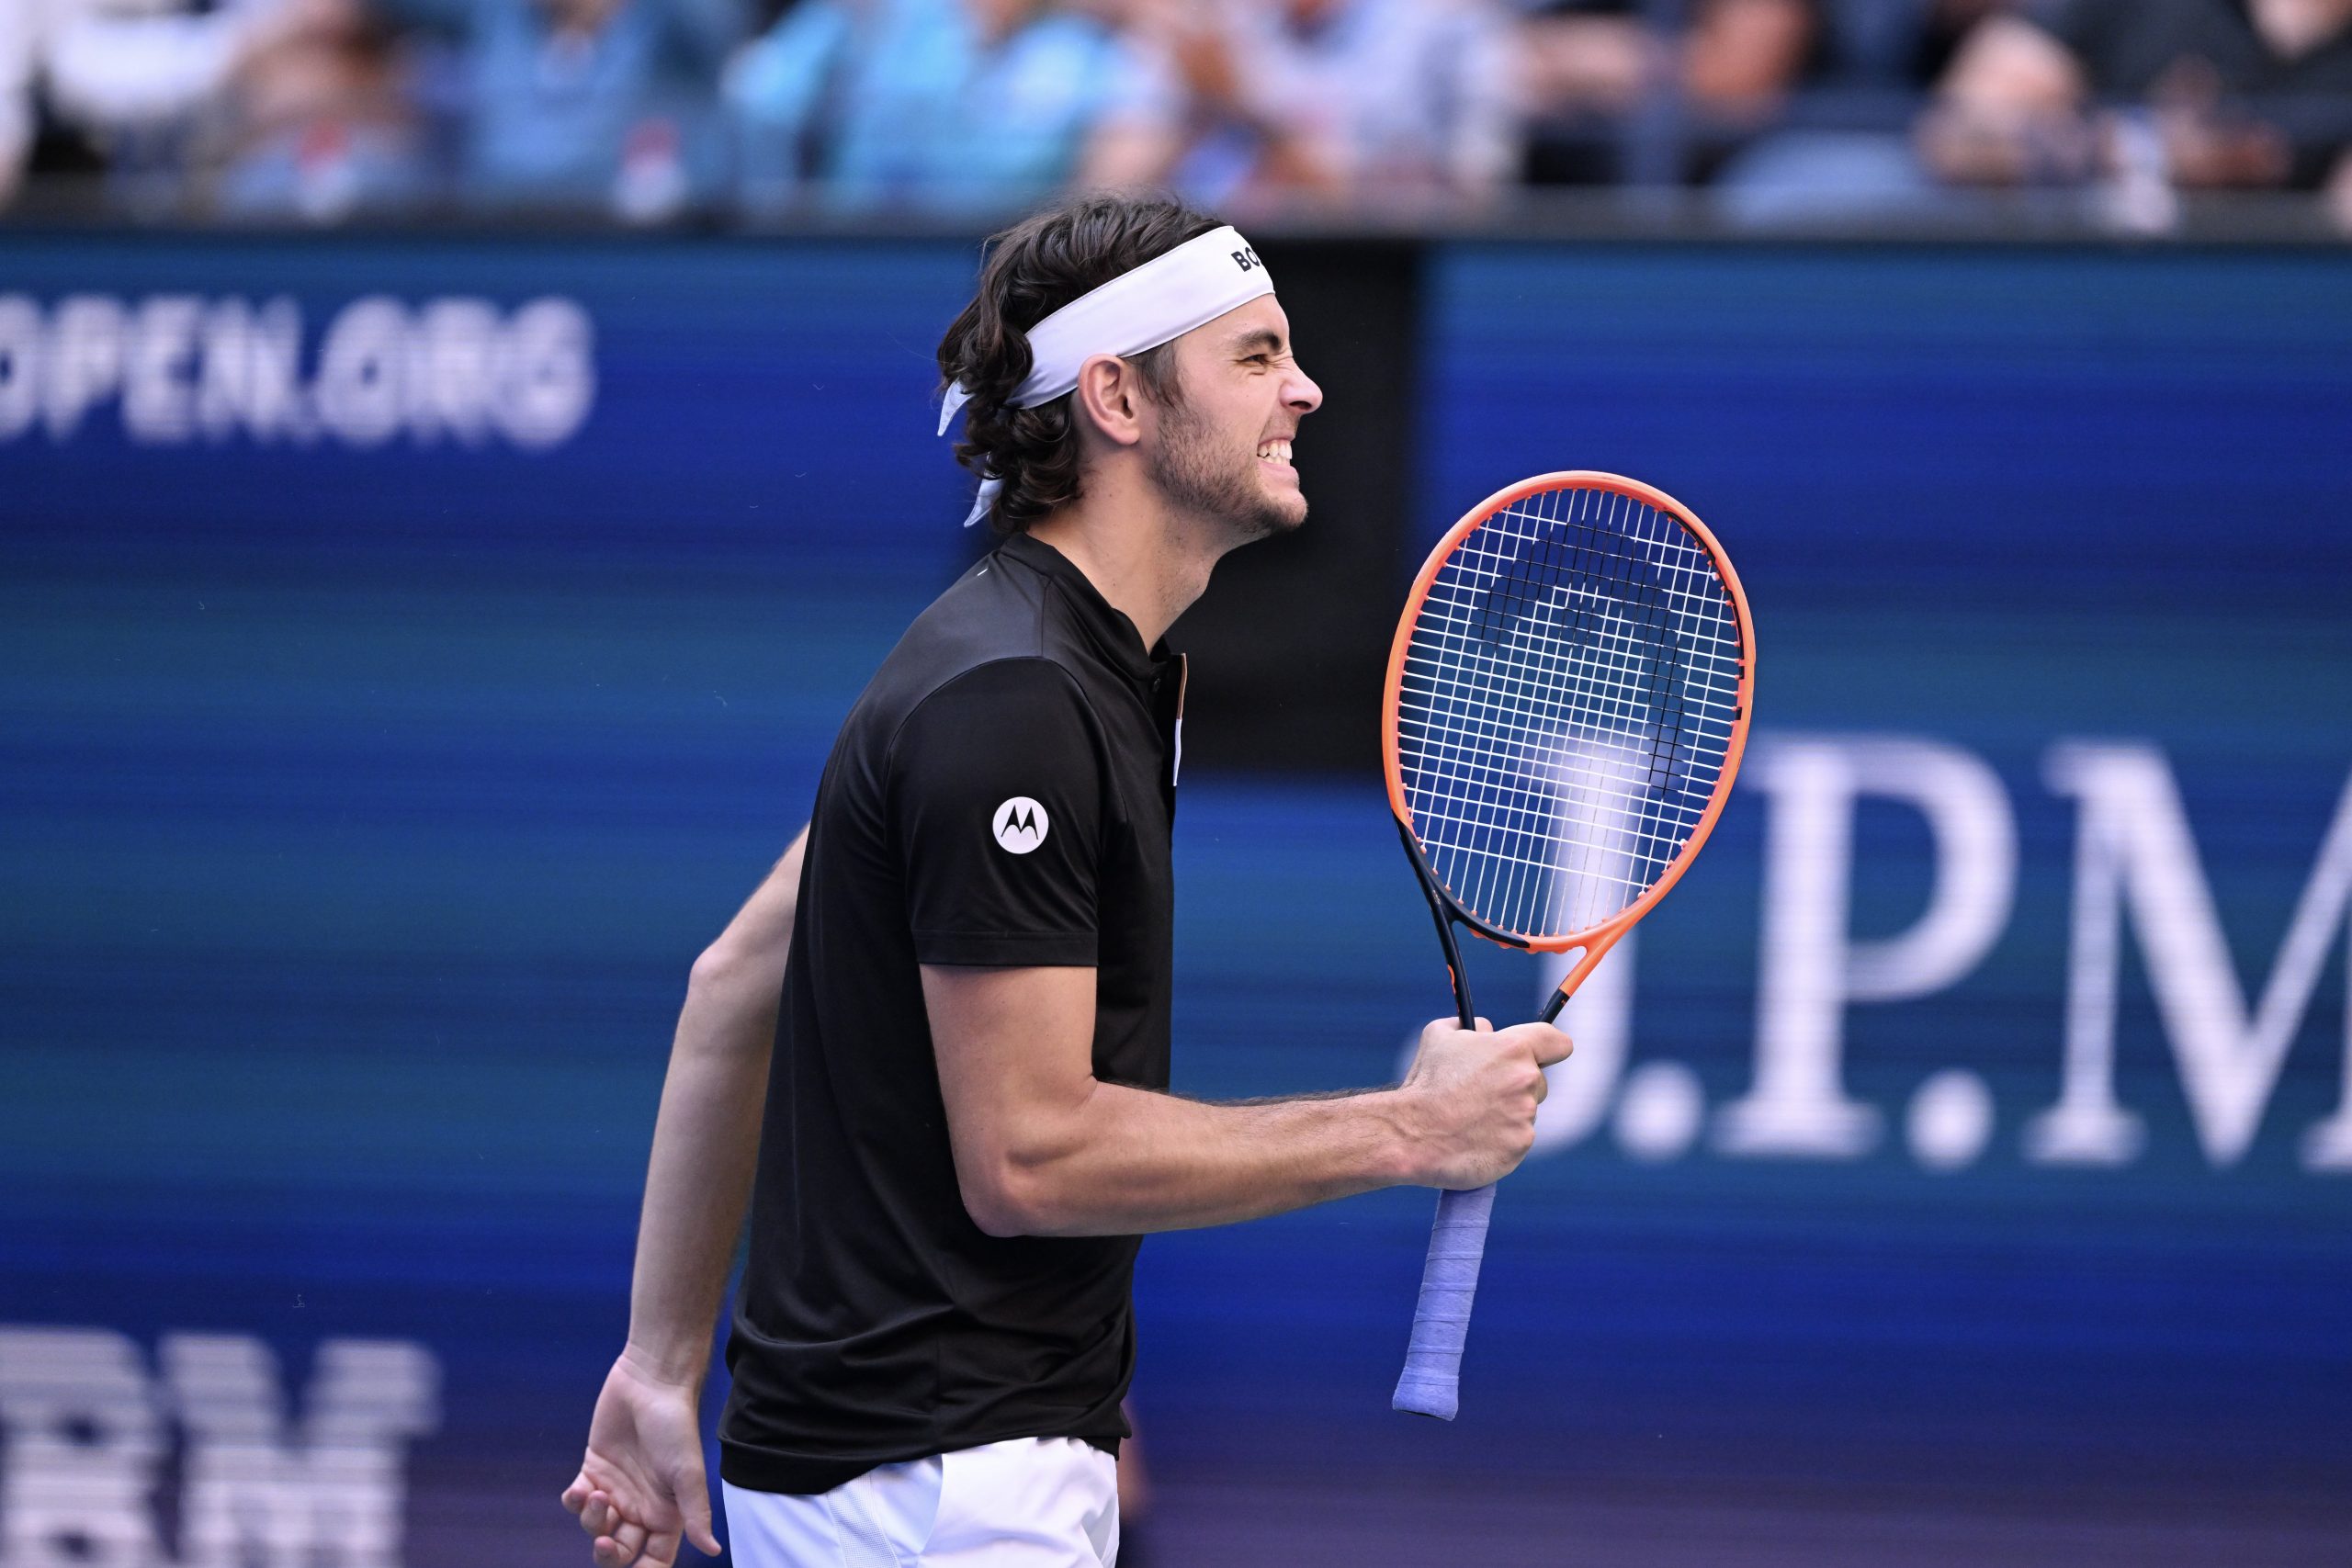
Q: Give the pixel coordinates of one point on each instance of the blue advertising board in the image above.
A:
(415, 647)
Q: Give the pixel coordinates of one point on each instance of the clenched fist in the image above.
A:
(1473, 1095)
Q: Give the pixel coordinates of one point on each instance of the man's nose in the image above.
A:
(1301, 393)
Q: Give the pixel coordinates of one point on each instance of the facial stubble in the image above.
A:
(1200, 474)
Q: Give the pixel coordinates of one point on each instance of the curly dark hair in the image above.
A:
(1033, 269)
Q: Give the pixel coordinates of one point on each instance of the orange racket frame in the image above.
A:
(1594, 940)
(1430, 1382)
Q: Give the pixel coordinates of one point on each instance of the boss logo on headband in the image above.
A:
(1245, 258)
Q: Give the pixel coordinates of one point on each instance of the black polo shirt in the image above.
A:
(999, 796)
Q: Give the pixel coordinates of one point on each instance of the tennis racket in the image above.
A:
(1568, 698)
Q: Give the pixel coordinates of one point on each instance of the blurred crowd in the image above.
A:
(646, 109)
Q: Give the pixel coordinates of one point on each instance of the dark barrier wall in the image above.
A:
(414, 649)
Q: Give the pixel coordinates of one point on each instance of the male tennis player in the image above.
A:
(967, 1125)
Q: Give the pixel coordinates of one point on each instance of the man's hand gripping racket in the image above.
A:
(1568, 698)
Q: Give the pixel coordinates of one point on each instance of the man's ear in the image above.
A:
(1109, 397)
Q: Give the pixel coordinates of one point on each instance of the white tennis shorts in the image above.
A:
(1026, 1502)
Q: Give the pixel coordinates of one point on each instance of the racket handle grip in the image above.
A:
(1430, 1383)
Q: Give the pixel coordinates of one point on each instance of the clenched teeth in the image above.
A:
(1274, 451)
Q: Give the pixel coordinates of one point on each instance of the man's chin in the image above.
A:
(1283, 511)
(1272, 521)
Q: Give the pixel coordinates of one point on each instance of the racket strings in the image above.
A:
(1569, 695)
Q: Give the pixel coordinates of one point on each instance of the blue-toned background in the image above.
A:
(374, 763)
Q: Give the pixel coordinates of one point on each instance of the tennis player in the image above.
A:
(966, 1126)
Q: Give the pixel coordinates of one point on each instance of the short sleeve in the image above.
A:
(997, 807)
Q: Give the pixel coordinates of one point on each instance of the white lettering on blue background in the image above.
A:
(180, 369)
(83, 1429)
(2136, 869)
(2134, 851)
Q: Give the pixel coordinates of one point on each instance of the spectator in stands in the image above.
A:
(2192, 93)
(1624, 97)
(136, 78)
(944, 106)
(319, 123)
(1842, 146)
(565, 102)
(1352, 101)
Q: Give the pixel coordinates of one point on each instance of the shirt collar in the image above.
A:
(1106, 624)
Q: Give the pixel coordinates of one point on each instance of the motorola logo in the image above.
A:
(1019, 825)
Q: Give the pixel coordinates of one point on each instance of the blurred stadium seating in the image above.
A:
(2101, 114)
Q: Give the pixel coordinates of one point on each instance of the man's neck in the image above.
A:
(1148, 561)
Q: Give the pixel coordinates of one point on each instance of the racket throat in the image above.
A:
(1440, 912)
(1588, 957)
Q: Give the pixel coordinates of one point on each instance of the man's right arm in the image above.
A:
(1043, 1147)
(1007, 937)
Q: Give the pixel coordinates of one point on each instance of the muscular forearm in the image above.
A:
(1043, 1147)
(1127, 1160)
(706, 1139)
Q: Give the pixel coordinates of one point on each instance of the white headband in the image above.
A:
(1158, 302)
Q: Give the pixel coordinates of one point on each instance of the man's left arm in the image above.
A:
(641, 1485)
